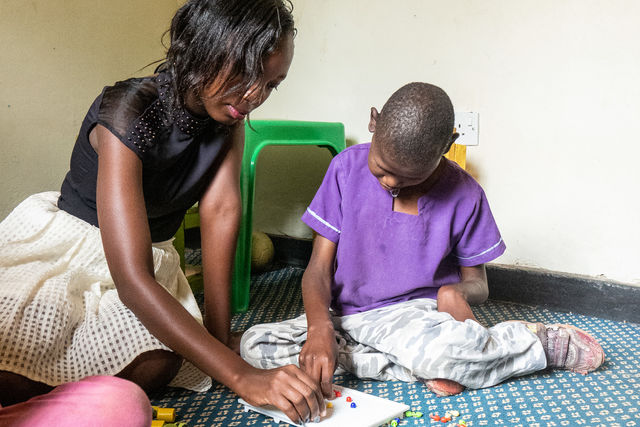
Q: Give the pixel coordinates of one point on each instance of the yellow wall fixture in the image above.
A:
(458, 154)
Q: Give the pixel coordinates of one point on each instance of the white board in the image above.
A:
(370, 410)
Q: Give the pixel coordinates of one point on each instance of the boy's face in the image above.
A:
(394, 176)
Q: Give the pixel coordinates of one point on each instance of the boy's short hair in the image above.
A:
(415, 124)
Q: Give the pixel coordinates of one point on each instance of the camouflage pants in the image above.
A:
(407, 341)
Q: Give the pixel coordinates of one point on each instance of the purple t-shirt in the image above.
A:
(384, 257)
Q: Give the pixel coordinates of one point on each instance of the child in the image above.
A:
(90, 283)
(403, 236)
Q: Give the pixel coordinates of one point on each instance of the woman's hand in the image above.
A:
(288, 388)
(319, 356)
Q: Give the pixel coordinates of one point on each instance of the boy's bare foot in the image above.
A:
(442, 387)
(568, 347)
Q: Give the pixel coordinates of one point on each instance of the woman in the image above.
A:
(90, 283)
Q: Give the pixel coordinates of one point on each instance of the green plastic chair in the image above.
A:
(258, 135)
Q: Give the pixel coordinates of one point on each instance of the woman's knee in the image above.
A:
(153, 369)
(16, 388)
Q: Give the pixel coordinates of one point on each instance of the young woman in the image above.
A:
(90, 283)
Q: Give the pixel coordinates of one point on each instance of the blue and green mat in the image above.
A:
(608, 397)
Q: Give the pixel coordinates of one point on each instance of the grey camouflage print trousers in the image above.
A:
(407, 341)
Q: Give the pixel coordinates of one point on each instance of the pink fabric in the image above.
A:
(93, 401)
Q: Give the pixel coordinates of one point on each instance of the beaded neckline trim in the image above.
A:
(164, 113)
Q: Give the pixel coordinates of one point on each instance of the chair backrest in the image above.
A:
(293, 132)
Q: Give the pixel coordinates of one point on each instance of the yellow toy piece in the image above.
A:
(164, 414)
(157, 423)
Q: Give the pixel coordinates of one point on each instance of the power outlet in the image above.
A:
(466, 123)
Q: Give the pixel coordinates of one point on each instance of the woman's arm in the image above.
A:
(127, 245)
(319, 354)
(472, 289)
(220, 209)
(126, 239)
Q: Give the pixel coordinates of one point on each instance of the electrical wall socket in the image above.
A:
(466, 124)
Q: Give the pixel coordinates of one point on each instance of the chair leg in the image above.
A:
(242, 267)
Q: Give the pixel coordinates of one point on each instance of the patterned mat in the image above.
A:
(607, 397)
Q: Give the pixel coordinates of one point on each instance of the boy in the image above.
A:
(403, 236)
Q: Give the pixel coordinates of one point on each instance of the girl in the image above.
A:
(89, 280)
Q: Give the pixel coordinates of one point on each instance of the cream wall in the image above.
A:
(55, 57)
(557, 87)
(555, 82)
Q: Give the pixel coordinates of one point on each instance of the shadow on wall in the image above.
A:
(287, 178)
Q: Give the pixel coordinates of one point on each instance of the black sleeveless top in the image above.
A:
(180, 152)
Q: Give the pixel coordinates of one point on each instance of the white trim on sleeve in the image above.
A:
(483, 252)
(316, 216)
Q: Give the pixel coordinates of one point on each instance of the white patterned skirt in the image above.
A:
(60, 316)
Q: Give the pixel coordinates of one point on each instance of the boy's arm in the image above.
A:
(472, 289)
(319, 354)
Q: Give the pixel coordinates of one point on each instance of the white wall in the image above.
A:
(555, 82)
(55, 57)
(557, 86)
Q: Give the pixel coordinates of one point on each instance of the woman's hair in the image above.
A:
(210, 38)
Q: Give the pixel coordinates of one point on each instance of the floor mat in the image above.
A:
(608, 397)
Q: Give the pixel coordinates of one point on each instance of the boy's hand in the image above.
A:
(472, 289)
(451, 300)
(318, 358)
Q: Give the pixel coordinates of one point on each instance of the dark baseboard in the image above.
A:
(291, 251)
(549, 289)
(564, 292)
